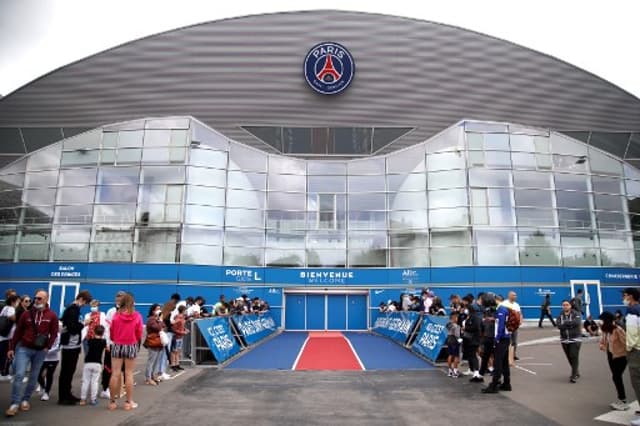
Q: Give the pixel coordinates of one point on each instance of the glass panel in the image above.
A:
(201, 254)
(615, 143)
(77, 177)
(289, 240)
(375, 166)
(180, 137)
(580, 256)
(284, 201)
(621, 258)
(201, 235)
(603, 164)
(488, 178)
(448, 217)
(413, 258)
(535, 217)
(292, 183)
(109, 139)
(39, 197)
(496, 255)
(81, 214)
(480, 126)
(79, 158)
(156, 245)
(537, 180)
(49, 158)
(243, 218)
(82, 195)
(206, 177)
(447, 179)
(366, 202)
(571, 182)
(409, 240)
(163, 155)
(531, 161)
(157, 137)
(205, 195)
(246, 180)
(284, 165)
(71, 243)
(243, 256)
(204, 215)
(203, 134)
(116, 194)
(326, 240)
(41, 179)
(611, 221)
(207, 158)
(34, 244)
(244, 238)
(366, 183)
(534, 198)
(608, 202)
(448, 198)
(497, 159)
(118, 176)
(408, 201)
(87, 140)
(37, 215)
(326, 258)
(130, 138)
(573, 200)
(579, 219)
(412, 182)
(522, 143)
(331, 184)
(290, 220)
(244, 158)
(326, 168)
(115, 213)
(450, 140)
(10, 216)
(368, 257)
(12, 181)
(409, 160)
(451, 256)
(367, 220)
(446, 161)
(609, 185)
(540, 255)
(285, 258)
(564, 145)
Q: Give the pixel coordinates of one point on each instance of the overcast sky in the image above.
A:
(38, 36)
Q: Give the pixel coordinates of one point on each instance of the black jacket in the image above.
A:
(71, 324)
(472, 328)
(570, 326)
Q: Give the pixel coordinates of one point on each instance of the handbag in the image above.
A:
(41, 340)
(152, 341)
(5, 326)
(164, 338)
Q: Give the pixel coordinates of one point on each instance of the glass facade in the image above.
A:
(172, 190)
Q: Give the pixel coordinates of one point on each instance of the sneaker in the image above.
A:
(44, 397)
(573, 379)
(476, 379)
(12, 410)
(450, 373)
(38, 390)
(25, 406)
(6, 378)
(165, 376)
(455, 375)
(94, 402)
(105, 394)
(619, 406)
(130, 405)
(468, 372)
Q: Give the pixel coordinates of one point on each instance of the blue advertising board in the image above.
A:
(255, 327)
(217, 333)
(396, 325)
(431, 337)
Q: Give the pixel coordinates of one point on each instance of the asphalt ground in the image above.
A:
(542, 395)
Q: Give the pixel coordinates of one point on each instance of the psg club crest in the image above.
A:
(329, 68)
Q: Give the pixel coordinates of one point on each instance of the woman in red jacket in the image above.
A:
(126, 332)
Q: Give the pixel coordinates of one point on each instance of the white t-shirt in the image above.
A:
(8, 311)
(193, 310)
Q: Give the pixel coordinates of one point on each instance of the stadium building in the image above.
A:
(325, 161)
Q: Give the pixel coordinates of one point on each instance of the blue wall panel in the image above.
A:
(496, 275)
(295, 312)
(336, 312)
(315, 312)
(357, 306)
(452, 275)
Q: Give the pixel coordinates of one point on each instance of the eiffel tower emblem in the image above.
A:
(328, 71)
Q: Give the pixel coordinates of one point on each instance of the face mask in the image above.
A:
(39, 306)
(625, 302)
(158, 313)
(94, 309)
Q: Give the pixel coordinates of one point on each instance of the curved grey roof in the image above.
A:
(248, 71)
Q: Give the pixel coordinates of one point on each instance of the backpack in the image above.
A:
(513, 320)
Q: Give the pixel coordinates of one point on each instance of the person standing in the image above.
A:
(153, 344)
(91, 321)
(35, 333)
(545, 311)
(501, 352)
(70, 347)
(577, 303)
(512, 296)
(631, 299)
(488, 334)
(471, 342)
(51, 360)
(570, 325)
(453, 344)
(8, 312)
(106, 370)
(613, 342)
(96, 346)
(126, 333)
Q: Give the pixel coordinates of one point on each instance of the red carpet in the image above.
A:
(327, 351)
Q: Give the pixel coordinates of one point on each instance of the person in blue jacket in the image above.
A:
(501, 352)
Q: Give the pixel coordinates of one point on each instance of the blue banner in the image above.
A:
(396, 325)
(431, 337)
(217, 333)
(254, 327)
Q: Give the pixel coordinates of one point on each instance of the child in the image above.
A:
(93, 365)
(179, 331)
(91, 321)
(45, 377)
(453, 344)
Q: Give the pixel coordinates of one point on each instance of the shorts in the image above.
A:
(454, 349)
(177, 344)
(124, 351)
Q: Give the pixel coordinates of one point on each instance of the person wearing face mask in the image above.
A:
(631, 299)
(106, 371)
(35, 333)
(152, 342)
(70, 344)
(91, 320)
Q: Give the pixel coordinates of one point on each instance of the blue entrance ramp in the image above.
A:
(278, 353)
(379, 353)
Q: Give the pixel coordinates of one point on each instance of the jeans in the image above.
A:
(633, 363)
(572, 352)
(501, 363)
(45, 378)
(67, 369)
(153, 361)
(90, 380)
(23, 357)
(544, 313)
(164, 360)
(617, 366)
